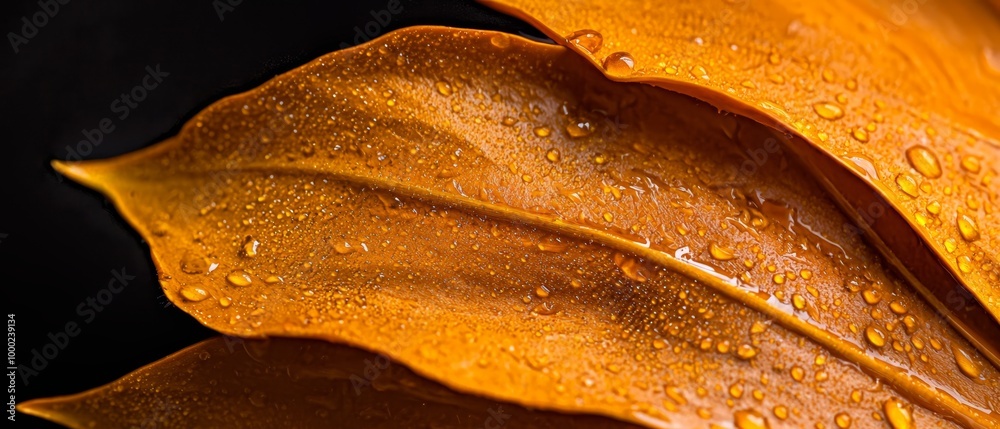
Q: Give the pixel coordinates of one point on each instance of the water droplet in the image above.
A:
(579, 129)
(899, 414)
(860, 134)
(193, 264)
(619, 63)
(798, 301)
(344, 248)
(444, 88)
(907, 184)
(500, 40)
(798, 374)
(924, 161)
(588, 40)
(542, 131)
(719, 252)
(828, 111)
(971, 164)
(746, 352)
(250, 247)
(749, 419)
(631, 267)
(964, 264)
(193, 294)
(552, 155)
(239, 278)
(225, 302)
(875, 336)
(700, 72)
(967, 227)
(542, 292)
(781, 412)
(843, 420)
(872, 296)
(966, 363)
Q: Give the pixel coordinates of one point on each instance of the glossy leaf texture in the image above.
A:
(892, 104)
(503, 219)
(286, 383)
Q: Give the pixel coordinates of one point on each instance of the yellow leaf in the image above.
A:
(229, 382)
(503, 219)
(892, 104)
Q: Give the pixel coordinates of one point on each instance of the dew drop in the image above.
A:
(631, 267)
(749, 419)
(971, 164)
(500, 40)
(344, 248)
(239, 278)
(588, 40)
(444, 88)
(193, 264)
(552, 155)
(746, 352)
(542, 131)
(860, 135)
(843, 420)
(720, 253)
(966, 363)
(828, 111)
(193, 294)
(619, 63)
(899, 414)
(907, 184)
(924, 161)
(967, 227)
(250, 247)
(579, 129)
(875, 336)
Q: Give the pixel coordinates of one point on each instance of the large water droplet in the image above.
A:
(924, 161)
(828, 111)
(619, 63)
(967, 227)
(899, 414)
(749, 419)
(239, 278)
(193, 294)
(966, 363)
(843, 420)
(589, 40)
(875, 336)
(719, 252)
(907, 184)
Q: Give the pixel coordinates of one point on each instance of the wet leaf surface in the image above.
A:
(501, 218)
(286, 383)
(893, 104)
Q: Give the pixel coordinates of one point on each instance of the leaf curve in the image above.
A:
(876, 95)
(506, 221)
(235, 383)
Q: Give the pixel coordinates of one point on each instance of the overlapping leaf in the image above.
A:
(285, 383)
(893, 104)
(503, 219)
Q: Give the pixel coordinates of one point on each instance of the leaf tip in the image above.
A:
(80, 172)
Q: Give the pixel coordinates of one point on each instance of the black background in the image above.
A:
(59, 242)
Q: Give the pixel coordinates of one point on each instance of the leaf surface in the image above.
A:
(501, 218)
(286, 383)
(892, 104)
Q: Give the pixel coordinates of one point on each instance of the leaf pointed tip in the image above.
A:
(80, 172)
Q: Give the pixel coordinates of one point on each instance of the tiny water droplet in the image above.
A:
(924, 161)
(589, 40)
(746, 352)
(619, 63)
(860, 134)
(843, 420)
(542, 131)
(250, 247)
(552, 155)
(971, 164)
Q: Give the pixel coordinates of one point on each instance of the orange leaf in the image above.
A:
(503, 219)
(892, 104)
(229, 382)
